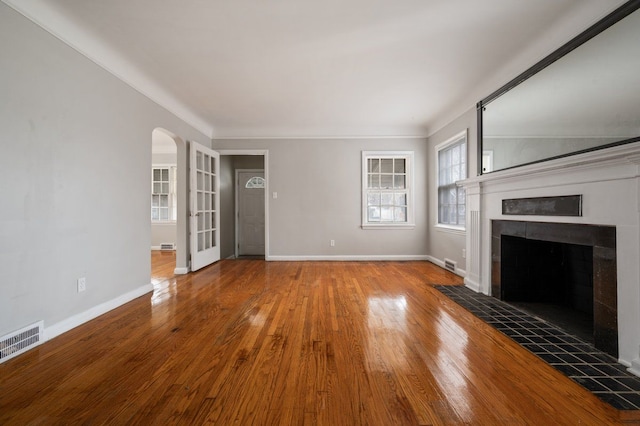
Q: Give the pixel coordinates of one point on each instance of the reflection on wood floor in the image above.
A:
(330, 343)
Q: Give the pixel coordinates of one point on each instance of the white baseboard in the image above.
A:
(347, 258)
(79, 319)
(469, 283)
(181, 271)
(634, 366)
(459, 272)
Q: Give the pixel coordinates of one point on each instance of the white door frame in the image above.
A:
(237, 206)
(265, 154)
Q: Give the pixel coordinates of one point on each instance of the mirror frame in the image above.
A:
(617, 15)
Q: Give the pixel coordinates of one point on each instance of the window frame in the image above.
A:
(408, 156)
(172, 196)
(461, 138)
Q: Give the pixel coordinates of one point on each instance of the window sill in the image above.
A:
(388, 226)
(451, 229)
(163, 222)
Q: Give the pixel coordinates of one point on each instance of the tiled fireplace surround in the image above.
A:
(609, 182)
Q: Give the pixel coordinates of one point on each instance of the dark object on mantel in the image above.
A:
(567, 205)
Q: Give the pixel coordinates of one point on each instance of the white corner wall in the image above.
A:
(75, 179)
(318, 182)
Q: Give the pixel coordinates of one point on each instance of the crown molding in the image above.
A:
(51, 20)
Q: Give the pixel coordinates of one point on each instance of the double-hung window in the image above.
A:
(387, 189)
(163, 194)
(452, 167)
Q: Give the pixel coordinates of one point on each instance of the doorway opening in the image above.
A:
(169, 189)
(244, 211)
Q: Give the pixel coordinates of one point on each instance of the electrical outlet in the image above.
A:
(82, 284)
(332, 243)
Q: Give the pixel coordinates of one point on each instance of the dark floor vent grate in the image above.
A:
(20, 341)
(450, 265)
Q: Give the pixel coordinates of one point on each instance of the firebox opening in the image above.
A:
(551, 280)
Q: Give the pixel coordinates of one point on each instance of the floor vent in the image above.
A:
(450, 265)
(20, 341)
(167, 246)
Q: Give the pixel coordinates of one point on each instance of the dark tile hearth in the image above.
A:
(595, 370)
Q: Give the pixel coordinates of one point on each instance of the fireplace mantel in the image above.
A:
(608, 180)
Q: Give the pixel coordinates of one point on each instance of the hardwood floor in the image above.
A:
(251, 342)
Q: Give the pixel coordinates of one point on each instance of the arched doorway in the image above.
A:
(169, 196)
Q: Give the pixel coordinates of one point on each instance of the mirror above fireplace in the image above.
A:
(584, 96)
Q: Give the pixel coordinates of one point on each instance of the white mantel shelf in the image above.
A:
(603, 158)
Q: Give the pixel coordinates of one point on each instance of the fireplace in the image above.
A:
(565, 273)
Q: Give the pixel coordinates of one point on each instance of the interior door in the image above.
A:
(250, 212)
(205, 202)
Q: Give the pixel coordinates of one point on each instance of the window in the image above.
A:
(255, 182)
(163, 194)
(387, 198)
(452, 167)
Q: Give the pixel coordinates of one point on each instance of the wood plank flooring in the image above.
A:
(250, 342)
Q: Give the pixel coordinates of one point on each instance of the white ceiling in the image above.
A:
(302, 68)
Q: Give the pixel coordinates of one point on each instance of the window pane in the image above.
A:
(200, 181)
(374, 165)
(373, 214)
(164, 214)
(461, 196)
(399, 165)
(373, 199)
(386, 214)
(401, 200)
(156, 174)
(386, 165)
(374, 181)
(455, 154)
(165, 175)
(157, 188)
(155, 200)
(452, 215)
(386, 199)
(386, 181)
(399, 182)
(400, 214)
(453, 196)
(455, 173)
(154, 213)
(165, 188)
(164, 200)
(199, 164)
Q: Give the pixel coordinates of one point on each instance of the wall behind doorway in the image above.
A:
(228, 166)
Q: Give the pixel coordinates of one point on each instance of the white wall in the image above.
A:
(74, 181)
(318, 182)
(445, 243)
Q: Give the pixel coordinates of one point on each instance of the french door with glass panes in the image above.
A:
(205, 206)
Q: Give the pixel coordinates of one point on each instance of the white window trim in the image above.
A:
(410, 223)
(173, 170)
(461, 230)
